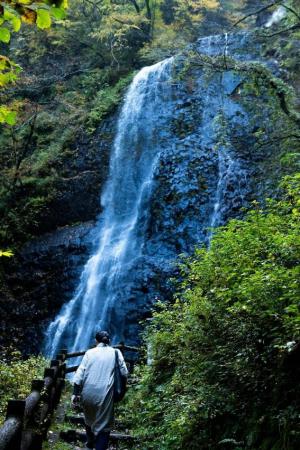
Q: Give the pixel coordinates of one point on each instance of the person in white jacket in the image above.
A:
(94, 388)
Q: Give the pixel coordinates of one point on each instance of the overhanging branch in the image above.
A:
(255, 13)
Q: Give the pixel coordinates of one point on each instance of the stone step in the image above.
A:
(80, 436)
(79, 420)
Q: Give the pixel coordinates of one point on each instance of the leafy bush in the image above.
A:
(16, 376)
(224, 355)
(106, 101)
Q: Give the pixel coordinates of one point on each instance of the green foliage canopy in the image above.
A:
(12, 14)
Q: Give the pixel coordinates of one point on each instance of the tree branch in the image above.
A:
(277, 139)
(255, 13)
(285, 30)
(290, 9)
(264, 8)
(136, 6)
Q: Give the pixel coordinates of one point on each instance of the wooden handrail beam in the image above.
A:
(127, 348)
(75, 354)
(71, 369)
(118, 346)
(31, 403)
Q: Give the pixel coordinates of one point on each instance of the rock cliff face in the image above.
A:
(84, 171)
(226, 108)
(37, 281)
(219, 151)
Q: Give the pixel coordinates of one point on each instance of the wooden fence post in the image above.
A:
(58, 382)
(38, 385)
(63, 353)
(50, 389)
(15, 410)
(33, 429)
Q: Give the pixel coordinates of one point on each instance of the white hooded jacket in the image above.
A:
(95, 375)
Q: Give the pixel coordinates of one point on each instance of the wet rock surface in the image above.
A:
(84, 172)
(37, 282)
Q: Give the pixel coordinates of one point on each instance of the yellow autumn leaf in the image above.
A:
(7, 253)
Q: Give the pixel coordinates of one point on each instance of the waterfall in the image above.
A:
(232, 180)
(232, 177)
(226, 45)
(172, 177)
(120, 228)
(276, 17)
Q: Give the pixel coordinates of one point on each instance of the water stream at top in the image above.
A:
(231, 176)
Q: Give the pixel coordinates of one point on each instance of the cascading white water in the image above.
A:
(231, 178)
(276, 17)
(226, 45)
(125, 198)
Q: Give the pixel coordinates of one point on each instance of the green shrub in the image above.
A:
(16, 376)
(106, 101)
(224, 371)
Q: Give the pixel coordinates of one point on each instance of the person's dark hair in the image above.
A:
(102, 337)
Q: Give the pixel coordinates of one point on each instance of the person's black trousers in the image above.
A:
(90, 443)
(100, 442)
(102, 439)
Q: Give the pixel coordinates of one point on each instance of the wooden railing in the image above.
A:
(27, 421)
